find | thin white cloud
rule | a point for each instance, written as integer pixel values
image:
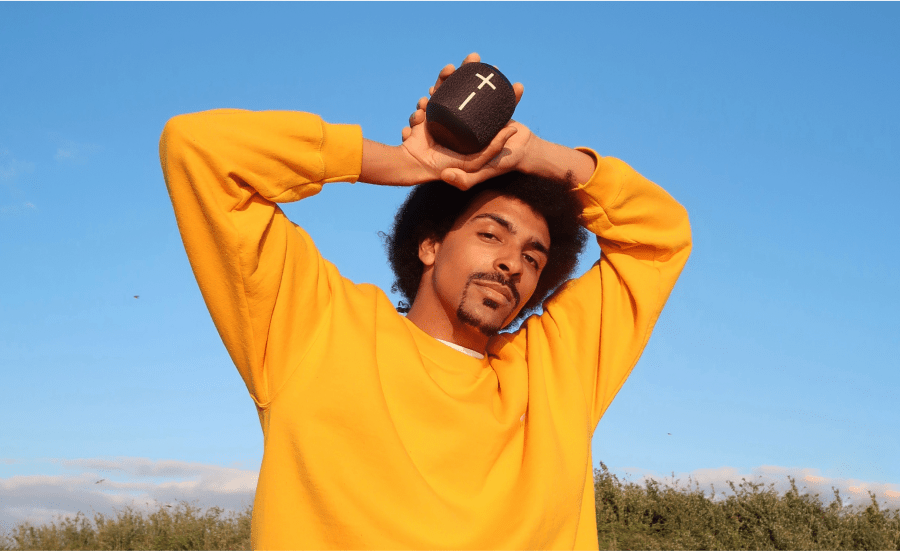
(104, 485)
(11, 168)
(75, 151)
(18, 209)
(809, 481)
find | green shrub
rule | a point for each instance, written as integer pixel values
(754, 516)
(184, 526)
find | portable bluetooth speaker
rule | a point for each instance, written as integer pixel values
(470, 108)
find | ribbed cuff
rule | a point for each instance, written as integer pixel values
(341, 152)
(604, 185)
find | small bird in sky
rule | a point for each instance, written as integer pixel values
(99, 481)
(669, 433)
(137, 296)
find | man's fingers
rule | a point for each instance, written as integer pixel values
(464, 180)
(518, 90)
(495, 147)
(448, 70)
(406, 132)
(456, 178)
(418, 117)
(472, 58)
(442, 76)
(445, 72)
(482, 165)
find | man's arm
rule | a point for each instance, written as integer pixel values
(262, 278)
(596, 326)
(396, 166)
(264, 282)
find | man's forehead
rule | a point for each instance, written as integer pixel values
(509, 211)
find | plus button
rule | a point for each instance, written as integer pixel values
(486, 80)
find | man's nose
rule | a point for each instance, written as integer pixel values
(510, 264)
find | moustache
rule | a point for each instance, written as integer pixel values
(496, 277)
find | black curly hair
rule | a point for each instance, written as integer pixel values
(431, 209)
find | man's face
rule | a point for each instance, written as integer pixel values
(489, 263)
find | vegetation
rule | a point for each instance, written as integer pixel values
(183, 526)
(629, 516)
(753, 516)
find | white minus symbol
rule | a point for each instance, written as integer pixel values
(472, 95)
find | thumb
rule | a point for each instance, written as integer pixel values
(456, 177)
(463, 180)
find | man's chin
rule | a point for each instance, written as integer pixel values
(489, 323)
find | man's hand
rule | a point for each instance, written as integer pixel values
(420, 159)
(503, 154)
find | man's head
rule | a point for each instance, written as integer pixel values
(488, 255)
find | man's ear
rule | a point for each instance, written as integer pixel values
(428, 249)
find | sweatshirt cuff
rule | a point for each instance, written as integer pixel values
(599, 193)
(341, 152)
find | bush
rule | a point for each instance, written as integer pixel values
(183, 526)
(630, 516)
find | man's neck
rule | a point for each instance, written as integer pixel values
(436, 322)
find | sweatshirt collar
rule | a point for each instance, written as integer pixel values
(463, 349)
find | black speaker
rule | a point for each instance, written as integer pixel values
(471, 106)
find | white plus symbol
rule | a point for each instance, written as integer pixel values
(486, 80)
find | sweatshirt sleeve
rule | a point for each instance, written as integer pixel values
(599, 323)
(225, 170)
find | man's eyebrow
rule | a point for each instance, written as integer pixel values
(534, 243)
(498, 219)
(538, 246)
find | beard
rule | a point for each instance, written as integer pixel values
(468, 317)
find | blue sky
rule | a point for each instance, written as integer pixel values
(775, 124)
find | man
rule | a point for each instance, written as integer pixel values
(430, 430)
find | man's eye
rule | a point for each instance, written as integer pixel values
(487, 235)
(532, 260)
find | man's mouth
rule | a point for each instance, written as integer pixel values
(496, 289)
(498, 284)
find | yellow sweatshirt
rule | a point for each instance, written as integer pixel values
(376, 434)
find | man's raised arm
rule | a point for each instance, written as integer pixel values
(262, 278)
(598, 324)
(225, 170)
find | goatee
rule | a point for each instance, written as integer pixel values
(485, 327)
